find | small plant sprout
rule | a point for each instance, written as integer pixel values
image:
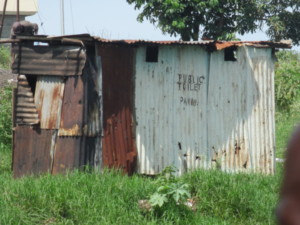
(170, 189)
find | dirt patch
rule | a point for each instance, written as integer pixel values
(7, 77)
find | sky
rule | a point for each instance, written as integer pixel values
(112, 19)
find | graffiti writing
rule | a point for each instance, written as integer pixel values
(189, 82)
(189, 101)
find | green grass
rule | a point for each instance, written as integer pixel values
(112, 198)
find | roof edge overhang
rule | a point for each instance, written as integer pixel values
(87, 39)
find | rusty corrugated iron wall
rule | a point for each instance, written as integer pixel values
(143, 105)
(57, 109)
(31, 153)
(119, 148)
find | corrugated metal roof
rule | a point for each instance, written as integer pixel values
(133, 42)
(217, 45)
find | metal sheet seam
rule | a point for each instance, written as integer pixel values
(98, 152)
(52, 148)
(209, 151)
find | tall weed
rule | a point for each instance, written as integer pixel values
(4, 57)
(5, 117)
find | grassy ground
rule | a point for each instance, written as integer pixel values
(285, 124)
(111, 198)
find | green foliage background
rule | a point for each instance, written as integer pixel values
(215, 19)
(287, 79)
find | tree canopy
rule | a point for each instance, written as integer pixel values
(220, 19)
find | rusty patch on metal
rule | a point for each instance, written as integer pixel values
(48, 100)
(67, 154)
(236, 156)
(119, 148)
(72, 112)
(25, 109)
(220, 45)
(31, 151)
(74, 131)
(48, 60)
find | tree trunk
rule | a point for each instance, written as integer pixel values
(196, 32)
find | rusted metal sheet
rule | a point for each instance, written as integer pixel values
(74, 131)
(72, 113)
(67, 154)
(25, 110)
(48, 100)
(118, 141)
(89, 112)
(48, 60)
(219, 45)
(31, 151)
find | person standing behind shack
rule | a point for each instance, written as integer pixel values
(288, 209)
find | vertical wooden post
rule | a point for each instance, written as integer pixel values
(3, 16)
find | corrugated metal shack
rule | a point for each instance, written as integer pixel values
(142, 105)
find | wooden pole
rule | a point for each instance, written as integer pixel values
(62, 17)
(3, 16)
(18, 10)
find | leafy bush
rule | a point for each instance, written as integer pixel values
(5, 117)
(287, 79)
